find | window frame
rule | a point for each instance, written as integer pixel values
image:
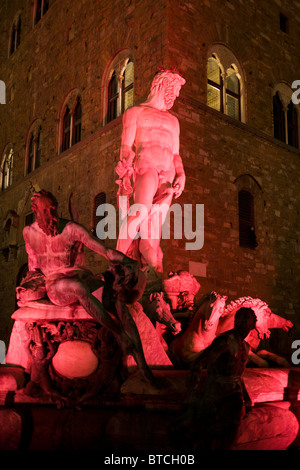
(30, 158)
(125, 90)
(232, 94)
(76, 122)
(293, 126)
(42, 10)
(113, 98)
(72, 134)
(227, 61)
(116, 68)
(15, 34)
(283, 92)
(66, 129)
(217, 86)
(7, 177)
(33, 147)
(278, 118)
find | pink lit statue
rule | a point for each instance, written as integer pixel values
(150, 153)
(266, 320)
(54, 249)
(185, 348)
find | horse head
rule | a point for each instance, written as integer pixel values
(163, 312)
(217, 306)
(263, 314)
(265, 318)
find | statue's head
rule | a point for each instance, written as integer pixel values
(168, 83)
(245, 320)
(44, 206)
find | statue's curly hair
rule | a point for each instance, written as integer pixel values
(163, 77)
(36, 196)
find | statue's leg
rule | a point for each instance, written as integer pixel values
(67, 291)
(145, 188)
(267, 355)
(151, 229)
(260, 362)
(136, 349)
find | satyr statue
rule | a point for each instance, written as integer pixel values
(150, 154)
(54, 250)
(40, 351)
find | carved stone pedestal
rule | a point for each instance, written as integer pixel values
(68, 355)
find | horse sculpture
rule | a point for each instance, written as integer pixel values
(186, 346)
(159, 312)
(266, 320)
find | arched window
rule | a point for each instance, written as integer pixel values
(113, 97)
(38, 149)
(70, 122)
(233, 94)
(39, 9)
(7, 168)
(279, 118)
(285, 115)
(34, 144)
(214, 85)
(225, 85)
(15, 35)
(292, 122)
(119, 87)
(127, 86)
(30, 166)
(76, 134)
(66, 129)
(247, 236)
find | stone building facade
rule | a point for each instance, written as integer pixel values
(239, 146)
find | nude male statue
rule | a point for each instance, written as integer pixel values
(53, 245)
(150, 152)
